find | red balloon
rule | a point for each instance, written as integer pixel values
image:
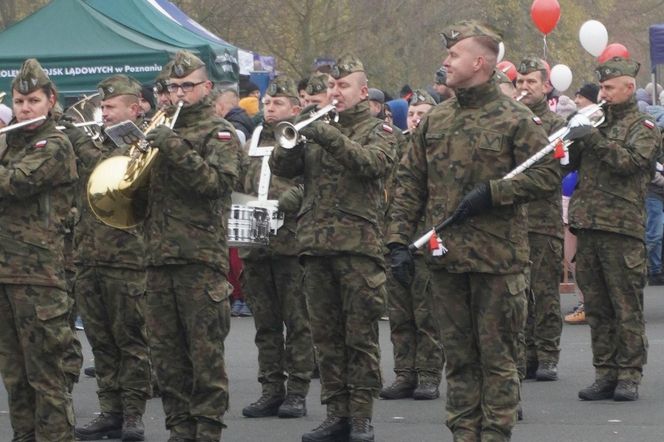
(545, 14)
(613, 50)
(508, 68)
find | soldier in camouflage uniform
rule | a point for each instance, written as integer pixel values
(418, 354)
(545, 237)
(37, 170)
(188, 312)
(272, 282)
(607, 214)
(316, 91)
(463, 146)
(338, 226)
(110, 285)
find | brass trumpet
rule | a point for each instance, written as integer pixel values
(114, 183)
(288, 135)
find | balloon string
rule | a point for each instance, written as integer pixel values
(545, 46)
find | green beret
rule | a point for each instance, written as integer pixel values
(184, 64)
(118, 85)
(468, 28)
(501, 77)
(420, 96)
(30, 77)
(617, 67)
(346, 64)
(531, 64)
(441, 75)
(317, 84)
(282, 86)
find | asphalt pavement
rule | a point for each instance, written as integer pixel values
(552, 411)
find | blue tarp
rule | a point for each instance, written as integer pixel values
(656, 45)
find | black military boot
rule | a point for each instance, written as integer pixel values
(267, 405)
(361, 429)
(401, 388)
(600, 389)
(531, 369)
(330, 430)
(547, 371)
(426, 390)
(105, 425)
(626, 391)
(293, 406)
(132, 428)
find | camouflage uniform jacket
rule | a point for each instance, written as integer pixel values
(37, 171)
(477, 136)
(189, 198)
(96, 243)
(343, 185)
(545, 215)
(285, 242)
(614, 167)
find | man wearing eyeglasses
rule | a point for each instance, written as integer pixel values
(545, 236)
(187, 312)
(344, 166)
(607, 214)
(418, 355)
(453, 170)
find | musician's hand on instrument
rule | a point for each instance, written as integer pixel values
(320, 132)
(473, 203)
(167, 141)
(401, 264)
(580, 126)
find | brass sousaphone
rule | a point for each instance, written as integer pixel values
(114, 184)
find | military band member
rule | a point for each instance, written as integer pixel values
(272, 283)
(607, 214)
(187, 312)
(338, 226)
(463, 146)
(110, 284)
(37, 170)
(316, 91)
(545, 237)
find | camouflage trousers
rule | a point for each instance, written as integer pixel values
(480, 317)
(414, 332)
(73, 359)
(273, 289)
(545, 323)
(112, 304)
(34, 338)
(188, 317)
(346, 297)
(611, 272)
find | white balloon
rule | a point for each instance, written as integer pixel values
(561, 77)
(501, 52)
(593, 37)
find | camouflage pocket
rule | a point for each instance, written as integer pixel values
(376, 280)
(218, 294)
(134, 289)
(52, 303)
(517, 284)
(635, 257)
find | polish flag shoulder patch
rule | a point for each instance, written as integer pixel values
(387, 128)
(537, 121)
(40, 144)
(224, 135)
(649, 124)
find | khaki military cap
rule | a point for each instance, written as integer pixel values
(317, 84)
(468, 28)
(30, 77)
(420, 96)
(184, 64)
(617, 67)
(161, 82)
(501, 77)
(118, 85)
(345, 65)
(282, 86)
(532, 64)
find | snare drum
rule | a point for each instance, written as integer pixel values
(248, 226)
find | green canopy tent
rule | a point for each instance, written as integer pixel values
(79, 46)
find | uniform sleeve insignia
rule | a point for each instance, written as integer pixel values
(537, 121)
(224, 135)
(649, 124)
(387, 128)
(40, 144)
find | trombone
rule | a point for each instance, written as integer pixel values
(288, 135)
